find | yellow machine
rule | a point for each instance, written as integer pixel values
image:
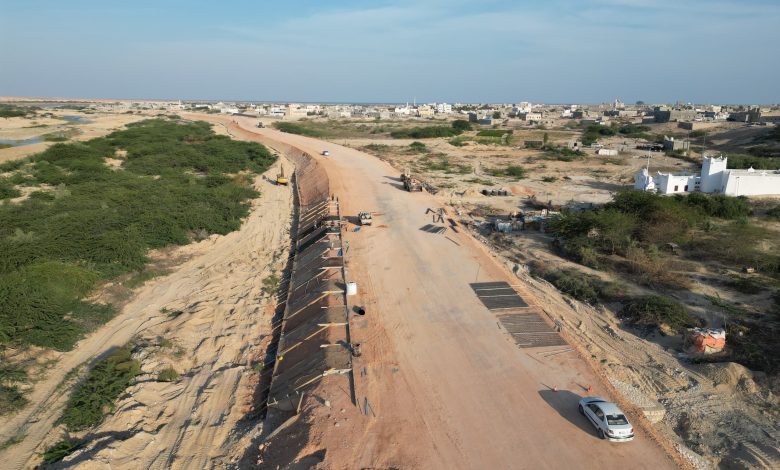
(280, 178)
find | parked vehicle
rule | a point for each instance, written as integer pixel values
(325, 153)
(610, 422)
(365, 218)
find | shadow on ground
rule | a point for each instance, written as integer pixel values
(565, 403)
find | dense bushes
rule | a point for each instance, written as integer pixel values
(95, 396)
(461, 125)
(754, 161)
(98, 222)
(511, 171)
(654, 310)
(295, 128)
(7, 189)
(427, 132)
(9, 110)
(636, 223)
(578, 285)
(494, 132)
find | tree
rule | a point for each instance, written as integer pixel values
(461, 125)
(545, 139)
(496, 114)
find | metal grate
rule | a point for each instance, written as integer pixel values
(498, 295)
(527, 328)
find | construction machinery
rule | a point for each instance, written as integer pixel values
(280, 178)
(365, 218)
(411, 183)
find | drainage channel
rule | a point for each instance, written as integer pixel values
(311, 339)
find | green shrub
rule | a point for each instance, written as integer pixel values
(168, 374)
(494, 132)
(300, 129)
(746, 285)
(511, 171)
(417, 147)
(461, 125)
(7, 189)
(656, 310)
(774, 212)
(563, 154)
(379, 148)
(11, 399)
(95, 396)
(428, 132)
(60, 450)
(549, 179)
(100, 223)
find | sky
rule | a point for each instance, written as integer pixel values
(497, 51)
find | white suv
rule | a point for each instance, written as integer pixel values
(609, 421)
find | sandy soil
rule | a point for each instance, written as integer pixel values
(447, 387)
(212, 343)
(23, 128)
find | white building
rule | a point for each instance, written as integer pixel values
(443, 108)
(715, 178)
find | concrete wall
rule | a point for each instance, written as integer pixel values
(673, 184)
(755, 183)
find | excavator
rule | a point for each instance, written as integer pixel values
(280, 178)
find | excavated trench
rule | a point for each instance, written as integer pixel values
(310, 329)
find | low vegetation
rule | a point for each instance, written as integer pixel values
(9, 110)
(300, 129)
(652, 239)
(168, 374)
(85, 223)
(94, 398)
(654, 310)
(578, 285)
(427, 132)
(510, 171)
(741, 161)
(594, 132)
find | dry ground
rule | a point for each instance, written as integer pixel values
(724, 412)
(447, 386)
(207, 320)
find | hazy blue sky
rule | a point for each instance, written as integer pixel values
(393, 50)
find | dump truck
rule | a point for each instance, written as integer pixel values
(365, 218)
(280, 178)
(411, 183)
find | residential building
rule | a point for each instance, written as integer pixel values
(676, 145)
(715, 177)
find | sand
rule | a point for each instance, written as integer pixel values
(213, 344)
(22, 129)
(447, 386)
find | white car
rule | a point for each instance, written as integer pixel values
(325, 153)
(609, 421)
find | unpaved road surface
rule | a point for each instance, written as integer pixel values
(187, 423)
(447, 387)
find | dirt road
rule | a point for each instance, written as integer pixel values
(447, 386)
(187, 423)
